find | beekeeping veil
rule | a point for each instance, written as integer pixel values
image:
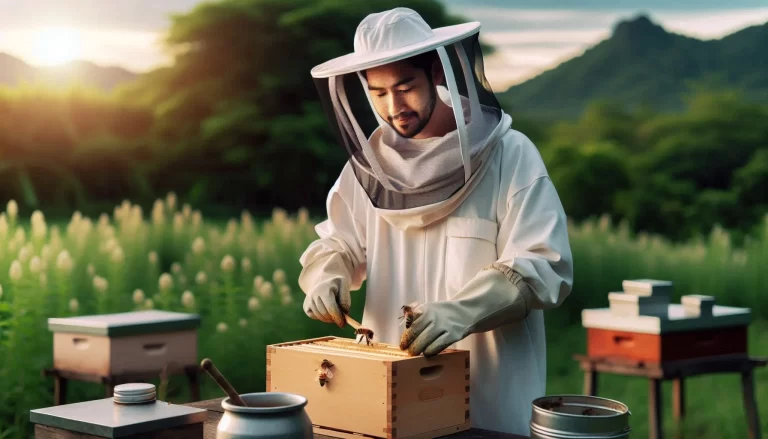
(397, 170)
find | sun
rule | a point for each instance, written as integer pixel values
(56, 45)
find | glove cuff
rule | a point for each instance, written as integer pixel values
(497, 296)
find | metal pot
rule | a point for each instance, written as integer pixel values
(269, 415)
(579, 417)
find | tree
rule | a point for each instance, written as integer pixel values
(239, 100)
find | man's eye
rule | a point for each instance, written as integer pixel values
(381, 95)
(405, 90)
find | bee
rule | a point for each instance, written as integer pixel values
(408, 315)
(366, 334)
(324, 373)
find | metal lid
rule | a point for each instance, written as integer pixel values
(134, 393)
(104, 418)
(128, 323)
(579, 416)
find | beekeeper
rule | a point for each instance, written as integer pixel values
(441, 204)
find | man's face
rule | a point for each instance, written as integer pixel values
(403, 95)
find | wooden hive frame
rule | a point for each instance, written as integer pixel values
(413, 408)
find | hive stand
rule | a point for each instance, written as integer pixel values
(61, 378)
(677, 371)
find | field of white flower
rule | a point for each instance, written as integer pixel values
(240, 275)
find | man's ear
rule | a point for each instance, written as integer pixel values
(438, 76)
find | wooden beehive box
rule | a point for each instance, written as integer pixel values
(123, 343)
(376, 391)
(681, 334)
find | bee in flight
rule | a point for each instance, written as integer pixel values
(324, 373)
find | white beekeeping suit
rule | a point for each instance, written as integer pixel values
(467, 223)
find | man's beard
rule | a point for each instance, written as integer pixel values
(422, 121)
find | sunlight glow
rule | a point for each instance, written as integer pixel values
(54, 46)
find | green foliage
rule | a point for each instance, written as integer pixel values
(677, 174)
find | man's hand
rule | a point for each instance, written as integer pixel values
(433, 330)
(329, 302)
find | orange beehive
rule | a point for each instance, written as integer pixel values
(376, 391)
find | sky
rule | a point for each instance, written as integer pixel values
(531, 35)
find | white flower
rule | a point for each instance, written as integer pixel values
(253, 303)
(246, 264)
(149, 304)
(1, 291)
(228, 264)
(287, 300)
(176, 268)
(188, 299)
(303, 215)
(278, 276)
(73, 305)
(222, 327)
(170, 201)
(91, 270)
(243, 323)
(117, 255)
(35, 265)
(285, 290)
(186, 210)
(64, 261)
(258, 281)
(100, 284)
(25, 253)
(152, 257)
(15, 271)
(45, 253)
(12, 209)
(266, 290)
(198, 245)
(165, 282)
(201, 278)
(197, 218)
(3, 225)
(138, 296)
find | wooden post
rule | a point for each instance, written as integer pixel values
(59, 390)
(678, 398)
(194, 383)
(750, 404)
(655, 418)
(590, 382)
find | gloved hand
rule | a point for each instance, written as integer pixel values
(496, 296)
(329, 301)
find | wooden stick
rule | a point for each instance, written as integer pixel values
(207, 364)
(352, 322)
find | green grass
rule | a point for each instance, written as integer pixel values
(239, 318)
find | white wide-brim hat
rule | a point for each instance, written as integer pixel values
(390, 36)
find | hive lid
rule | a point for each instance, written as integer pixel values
(129, 323)
(105, 418)
(677, 319)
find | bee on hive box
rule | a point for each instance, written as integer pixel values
(324, 373)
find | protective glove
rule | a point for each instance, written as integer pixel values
(496, 296)
(329, 301)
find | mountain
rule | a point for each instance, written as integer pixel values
(13, 71)
(643, 64)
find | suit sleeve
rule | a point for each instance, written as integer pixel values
(338, 254)
(534, 249)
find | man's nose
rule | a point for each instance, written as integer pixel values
(396, 104)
